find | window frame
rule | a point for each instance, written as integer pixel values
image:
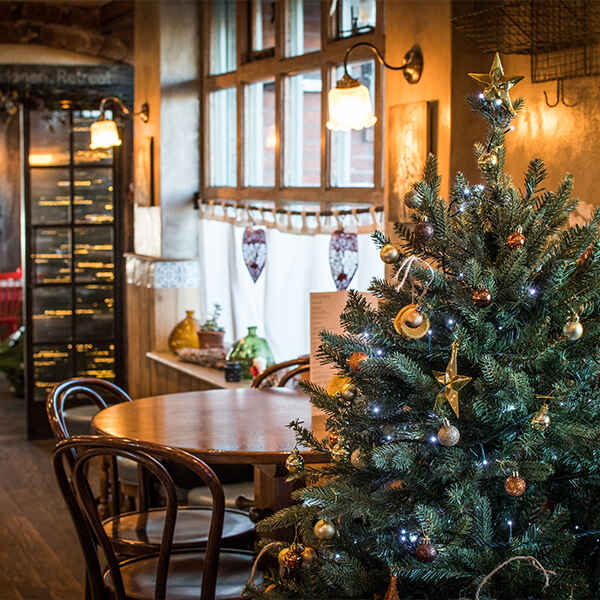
(278, 67)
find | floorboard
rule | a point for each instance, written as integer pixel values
(40, 558)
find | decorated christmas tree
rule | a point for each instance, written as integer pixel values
(464, 418)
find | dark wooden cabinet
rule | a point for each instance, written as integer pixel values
(73, 257)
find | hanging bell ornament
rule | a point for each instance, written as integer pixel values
(349, 392)
(425, 551)
(358, 459)
(309, 555)
(402, 322)
(355, 360)
(424, 231)
(482, 298)
(389, 254)
(339, 453)
(515, 485)
(294, 463)
(516, 239)
(488, 160)
(448, 435)
(573, 329)
(541, 419)
(324, 530)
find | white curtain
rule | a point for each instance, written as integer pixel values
(278, 303)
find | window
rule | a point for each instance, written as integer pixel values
(270, 67)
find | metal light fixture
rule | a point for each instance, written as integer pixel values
(350, 104)
(104, 132)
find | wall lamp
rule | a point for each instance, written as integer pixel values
(350, 104)
(104, 132)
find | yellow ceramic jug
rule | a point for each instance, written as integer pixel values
(184, 334)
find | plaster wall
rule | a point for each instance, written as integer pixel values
(427, 23)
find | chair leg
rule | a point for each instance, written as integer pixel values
(104, 492)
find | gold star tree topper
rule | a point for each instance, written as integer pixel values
(497, 85)
(451, 382)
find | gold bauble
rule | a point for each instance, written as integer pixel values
(448, 435)
(337, 384)
(339, 453)
(541, 419)
(389, 254)
(309, 555)
(488, 160)
(357, 459)
(403, 327)
(324, 530)
(515, 485)
(294, 463)
(573, 329)
(349, 392)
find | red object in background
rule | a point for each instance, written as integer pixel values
(343, 258)
(11, 302)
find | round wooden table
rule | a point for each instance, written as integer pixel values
(222, 426)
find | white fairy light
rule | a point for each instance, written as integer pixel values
(532, 291)
(376, 409)
(480, 96)
(498, 102)
(450, 321)
(403, 538)
(413, 538)
(484, 462)
(433, 439)
(379, 352)
(467, 191)
(365, 334)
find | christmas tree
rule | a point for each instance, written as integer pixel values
(464, 417)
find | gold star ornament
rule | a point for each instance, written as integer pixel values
(451, 383)
(497, 85)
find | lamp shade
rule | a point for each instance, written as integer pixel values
(350, 108)
(104, 134)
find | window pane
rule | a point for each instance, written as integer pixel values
(303, 27)
(50, 196)
(93, 201)
(223, 136)
(356, 16)
(302, 129)
(94, 312)
(263, 24)
(51, 365)
(352, 152)
(52, 311)
(259, 133)
(52, 255)
(94, 254)
(49, 138)
(222, 40)
(96, 360)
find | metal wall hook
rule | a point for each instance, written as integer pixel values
(560, 95)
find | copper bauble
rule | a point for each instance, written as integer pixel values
(515, 485)
(515, 240)
(573, 329)
(389, 254)
(333, 439)
(324, 530)
(424, 231)
(426, 552)
(482, 298)
(356, 359)
(309, 555)
(292, 559)
(394, 486)
(357, 459)
(448, 435)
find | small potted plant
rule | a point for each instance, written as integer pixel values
(210, 333)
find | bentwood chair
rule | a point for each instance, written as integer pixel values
(139, 531)
(280, 374)
(164, 574)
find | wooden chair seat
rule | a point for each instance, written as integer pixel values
(135, 532)
(184, 580)
(237, 495)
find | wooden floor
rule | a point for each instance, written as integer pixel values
(40, 557)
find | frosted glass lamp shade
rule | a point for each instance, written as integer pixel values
(350, 108)
(104, 134)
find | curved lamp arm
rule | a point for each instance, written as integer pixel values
(144, 113)
(412, 66)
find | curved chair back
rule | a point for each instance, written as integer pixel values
(76, 388)
(291, 368)
(76, 491)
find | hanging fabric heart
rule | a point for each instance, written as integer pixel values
(343, 257)
(254, 251)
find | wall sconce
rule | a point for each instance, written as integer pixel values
(104, 132)
(350, 104)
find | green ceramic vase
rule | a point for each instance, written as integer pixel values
(247, 349)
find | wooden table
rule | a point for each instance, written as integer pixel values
(245, 426)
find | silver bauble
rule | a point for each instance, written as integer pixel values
(448, 435)
(324, 530)
(573, 329)
(349, 392)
